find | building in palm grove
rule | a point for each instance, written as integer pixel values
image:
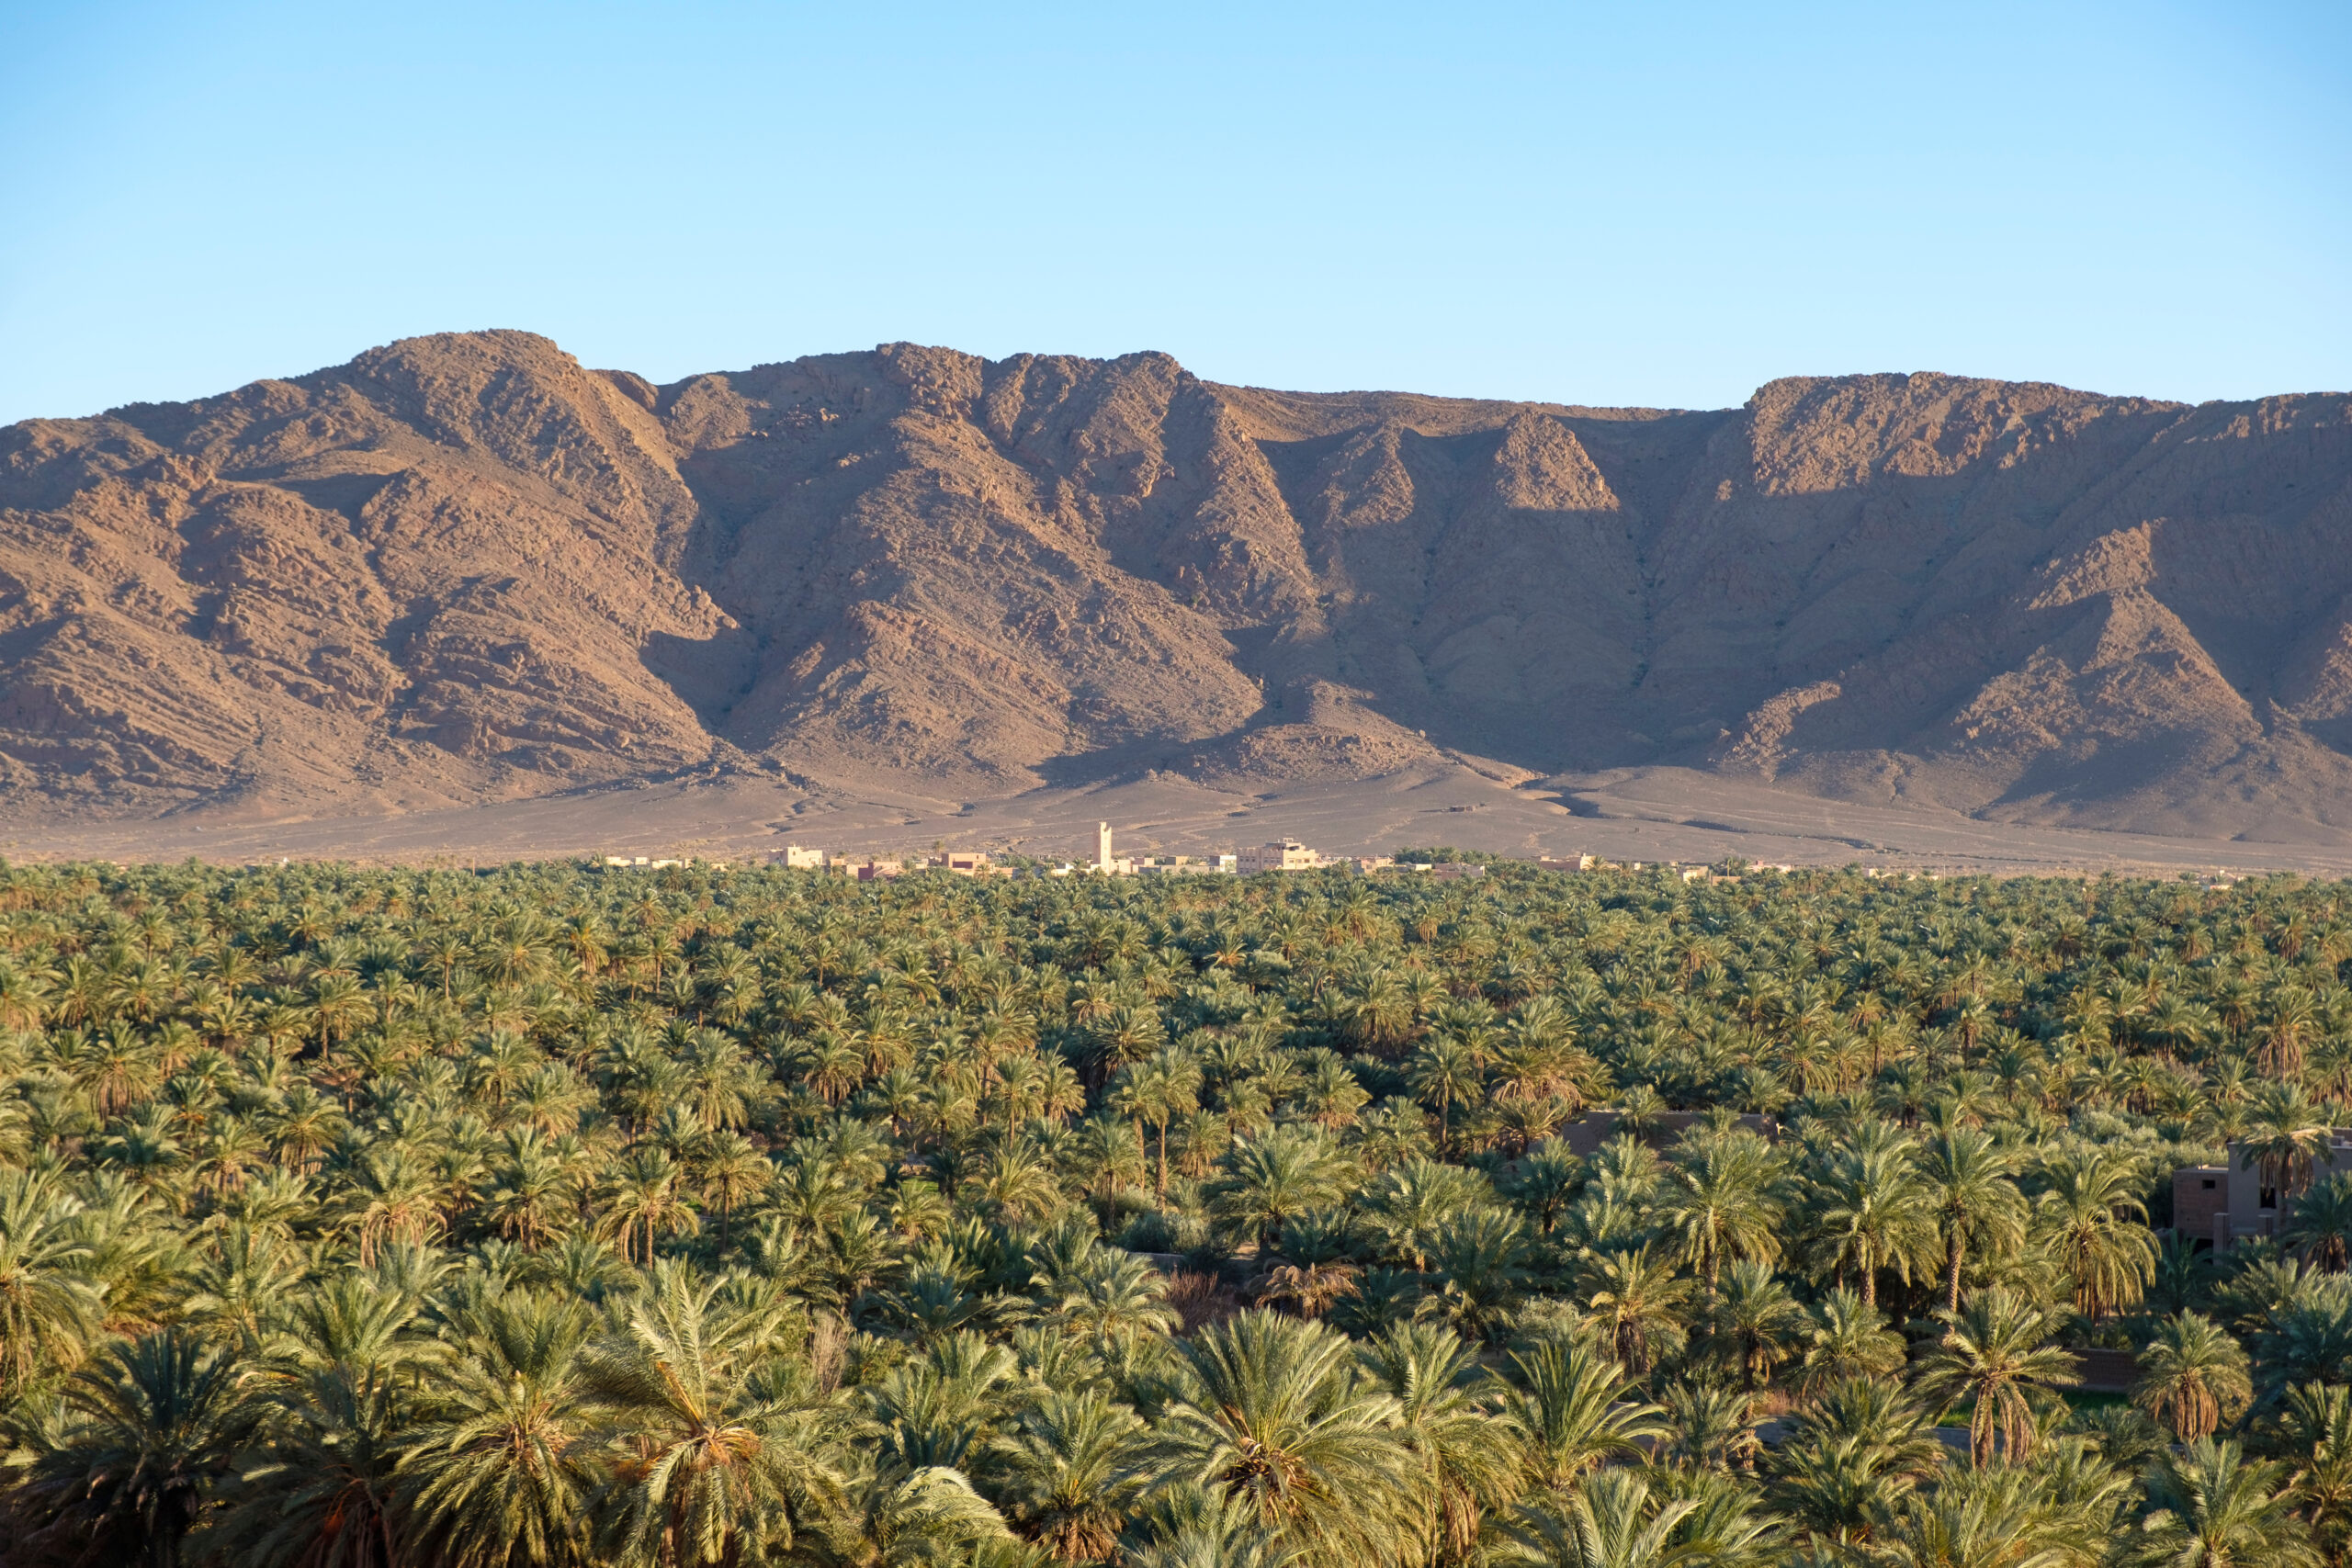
(2229, 1203)
(1286, 854)
(965, 863)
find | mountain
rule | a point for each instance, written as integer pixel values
(464, 567)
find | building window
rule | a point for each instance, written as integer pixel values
(2269, 1198)
(2209, 1184)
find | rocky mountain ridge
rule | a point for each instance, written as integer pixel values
(464, 567)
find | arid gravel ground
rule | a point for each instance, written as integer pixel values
(1657, 814)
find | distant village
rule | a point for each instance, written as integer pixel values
(1283, 854)
(1279, 856)
(1276, 855)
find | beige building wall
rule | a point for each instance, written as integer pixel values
(1287, 855)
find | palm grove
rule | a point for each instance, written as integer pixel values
(551, 1216)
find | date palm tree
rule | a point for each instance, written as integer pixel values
(643, 1198)
(1573, 1410)
(393, 1197)
(936, 1411)
(1274, 1414)
(2321, 1232)
(501, 1470)
(1126, 1034)
(1637, 1298)
(2315, 1434)
(1479, 1256)
(1158, 1090)
(2289, 1138)
(1106, 1155)
(1610, 1522)
(158, 1418)
(1070, 1470)
(1544, 1179)
(1861, 1446)
(317, 1485)
(1722, 1204)
(1445, 1417)
(723, 1455)
(1758, 1321)
(336, 1003)
(304, 1124)
(930, 1518)
(1995, 1350)
(1977, 1206)
(1409, 1203)
(2088, 1220)
(49, 1310)
(1448, 1069)
(2193, 1376)
(2210, 1506)
(1273, 1179)
(1713, 1426)
(1016, 1182)
(1872, 1211)
(2000, 1518)
(1187, 1526)
(1108, 1292)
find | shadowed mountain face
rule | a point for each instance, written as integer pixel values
(463, 568)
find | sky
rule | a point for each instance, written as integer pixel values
(1652, 204)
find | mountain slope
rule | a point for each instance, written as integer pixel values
(464, 567)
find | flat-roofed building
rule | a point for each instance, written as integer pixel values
(2229, 1203)
(1287, 854)
(2200, 1197)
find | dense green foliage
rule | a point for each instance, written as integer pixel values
(709, 1216)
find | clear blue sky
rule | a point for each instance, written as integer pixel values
(1636, 203)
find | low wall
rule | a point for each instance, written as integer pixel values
(2107, 1371)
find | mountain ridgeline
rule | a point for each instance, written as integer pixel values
(464, 567)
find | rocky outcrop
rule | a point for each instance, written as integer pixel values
(464, 567)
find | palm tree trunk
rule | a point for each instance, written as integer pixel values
(1952, 1274)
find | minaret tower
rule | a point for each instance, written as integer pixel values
(1102, 846)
